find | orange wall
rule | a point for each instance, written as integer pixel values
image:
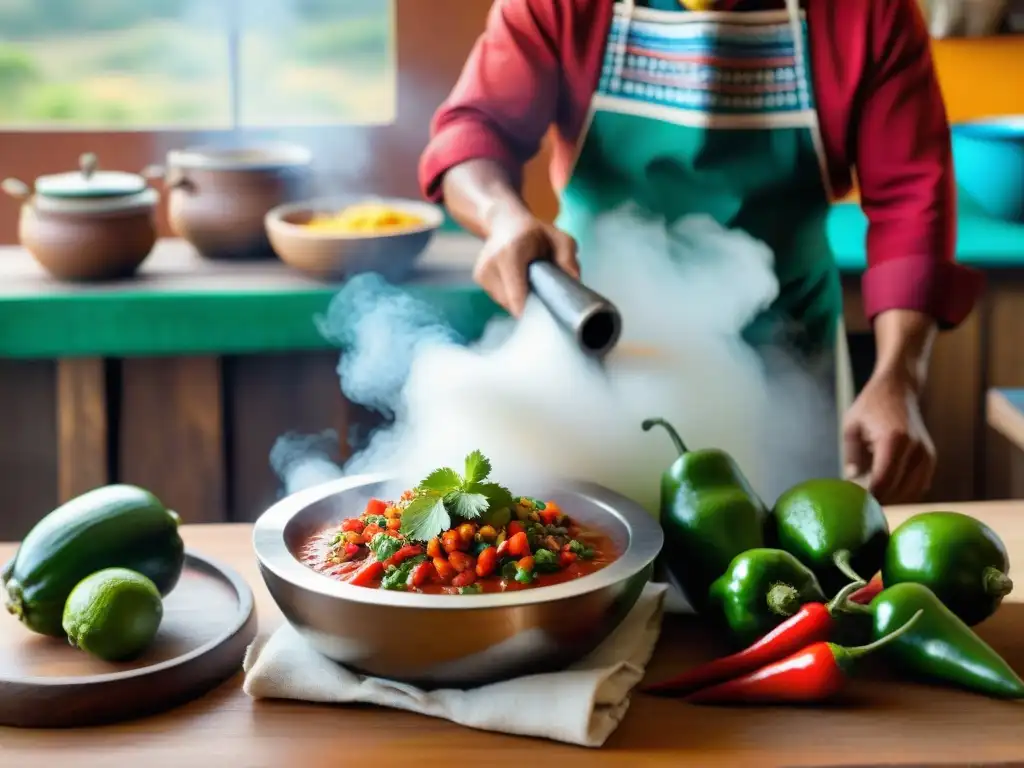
(979, 78)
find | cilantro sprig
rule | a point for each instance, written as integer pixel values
(445, 497)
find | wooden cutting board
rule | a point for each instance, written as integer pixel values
(208, 622)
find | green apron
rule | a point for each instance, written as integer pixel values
(713, 113)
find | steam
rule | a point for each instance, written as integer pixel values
(538, 409)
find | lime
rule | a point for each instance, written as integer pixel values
(113, 614)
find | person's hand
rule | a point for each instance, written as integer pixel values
(516, 239)
(885, 436)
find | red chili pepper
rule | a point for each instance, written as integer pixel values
(815, 673)
(866, 594)
(813, 623)
(375, 507)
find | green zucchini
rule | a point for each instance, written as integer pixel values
(115, 526)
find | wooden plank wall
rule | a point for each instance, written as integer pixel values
(198, 431)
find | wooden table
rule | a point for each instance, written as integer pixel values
(880, 723)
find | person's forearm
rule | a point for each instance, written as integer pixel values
(904, 339)
(477, 191)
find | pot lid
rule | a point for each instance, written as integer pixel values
(89, 181)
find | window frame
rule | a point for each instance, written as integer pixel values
(432, 40)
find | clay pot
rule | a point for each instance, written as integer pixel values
(218, 198)
(87, 225)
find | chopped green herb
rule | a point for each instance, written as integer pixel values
(336, 538)
(472, 589)
(445, 494)
(384, 546)
(581, 550)
(379, 520)
(523, 576)
(545, 561)
(537, 504)
(396, 577)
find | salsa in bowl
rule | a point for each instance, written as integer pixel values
(539, 545)
(437, 634)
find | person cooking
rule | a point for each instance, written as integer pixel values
(753, 112)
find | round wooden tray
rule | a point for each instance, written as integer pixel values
(209, 621)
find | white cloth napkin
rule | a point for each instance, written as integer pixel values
(581, 705)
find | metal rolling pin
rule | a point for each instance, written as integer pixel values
(593, 321)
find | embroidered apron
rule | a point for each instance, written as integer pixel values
(713, 112)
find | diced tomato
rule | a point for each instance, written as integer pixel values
(464, 579)
(409, 550)
(368, 574)
(515, 527)
(551, 514)
(444, 570)
(375, 507)
(452, 542)
(566, 558)
(503, 548)
(487, 562)
(355, 525)
(394, 523)
(460, 561)
(351, 549)
(467, 532)
(422, 573)
(434, 548)
(526, 564)
(519, 545)
(370, 531)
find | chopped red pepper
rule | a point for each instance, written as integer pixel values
(351, 549)
(462, 562)
(515, 527)
(567, 558)
(868, 593)
(814, 673)
(407, 551)
(445, 572)
(813, 623)
(353, 524)
(519, 545)
(464, 579)
(422, 573)
(487, 562)
(369, 573)
(375, 507)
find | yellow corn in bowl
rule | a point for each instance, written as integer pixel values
(334, 239)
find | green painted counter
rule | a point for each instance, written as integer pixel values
(182, 305)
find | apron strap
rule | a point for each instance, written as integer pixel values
(807, 88)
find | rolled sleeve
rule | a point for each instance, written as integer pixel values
(941, 289)
(505, 99)
(905, 170)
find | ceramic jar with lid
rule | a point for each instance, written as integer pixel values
(87, 224)
(218, 197)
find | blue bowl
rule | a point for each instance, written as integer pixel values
(989, 159)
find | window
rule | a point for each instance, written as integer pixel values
(106, 65)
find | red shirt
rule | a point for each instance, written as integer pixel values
(537, 63)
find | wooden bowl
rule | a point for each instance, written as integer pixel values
(334, 256)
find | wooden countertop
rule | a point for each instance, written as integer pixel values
(1005, 414)
(881, 723)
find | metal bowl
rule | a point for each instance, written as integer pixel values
(453, 640)
(337, 255)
